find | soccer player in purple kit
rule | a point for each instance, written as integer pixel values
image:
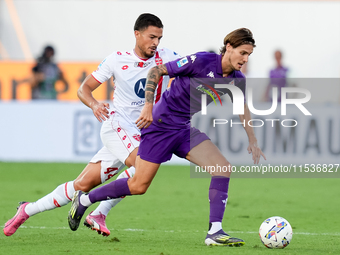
(166, 130)
(278, 77)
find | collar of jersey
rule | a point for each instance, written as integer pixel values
(143, 59)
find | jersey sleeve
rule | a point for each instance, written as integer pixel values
(171, 55)
(186, 66)
(105, 69)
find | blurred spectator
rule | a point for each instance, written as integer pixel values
(278, 77)
(45, 75)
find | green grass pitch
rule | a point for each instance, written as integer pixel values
(172, 217)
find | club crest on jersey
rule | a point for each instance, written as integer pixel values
(140, 88)
(142, 64)
(158, 61)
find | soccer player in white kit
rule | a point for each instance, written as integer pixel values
(119, 132)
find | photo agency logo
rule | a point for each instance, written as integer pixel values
(238, 104)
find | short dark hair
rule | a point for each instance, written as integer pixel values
(43, 56)
(237, 38)
(145, 20)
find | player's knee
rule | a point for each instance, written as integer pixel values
(82, 185)
(224, 170)
(138, 189)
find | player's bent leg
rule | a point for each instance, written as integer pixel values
(109, 167)
(96, 219)
(145, 172)
(81, 201)
(95, 173)
(206, 154)
(121, 140)
(118, 188)
(89, 178)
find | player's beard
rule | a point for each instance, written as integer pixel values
(146, 54)
(149, 55)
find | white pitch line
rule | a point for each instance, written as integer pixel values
(177, 231)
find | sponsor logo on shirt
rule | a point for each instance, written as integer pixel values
(137, 103)
(193, 57)
(142, 64)
(140, 88)
(125, 67)
(182, 62)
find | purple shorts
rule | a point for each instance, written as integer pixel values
(158, 144)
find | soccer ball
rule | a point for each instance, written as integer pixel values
(276, 232)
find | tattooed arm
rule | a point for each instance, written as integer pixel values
(152, 80)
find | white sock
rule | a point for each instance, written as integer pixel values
(85, 200)
(215, 226)
(61, 196)
(105, 206)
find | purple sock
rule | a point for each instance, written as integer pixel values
(218, 194)
(115, 189)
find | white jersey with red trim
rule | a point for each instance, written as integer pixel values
(129, 74)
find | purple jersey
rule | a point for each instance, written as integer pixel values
(278, 79)
(279, 72)
(194, 75)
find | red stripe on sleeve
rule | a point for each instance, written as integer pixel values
(95, 78)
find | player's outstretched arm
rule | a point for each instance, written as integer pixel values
(152, 80)
(100, 110)
(253, 147)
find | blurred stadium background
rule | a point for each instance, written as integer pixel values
(85, 32)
